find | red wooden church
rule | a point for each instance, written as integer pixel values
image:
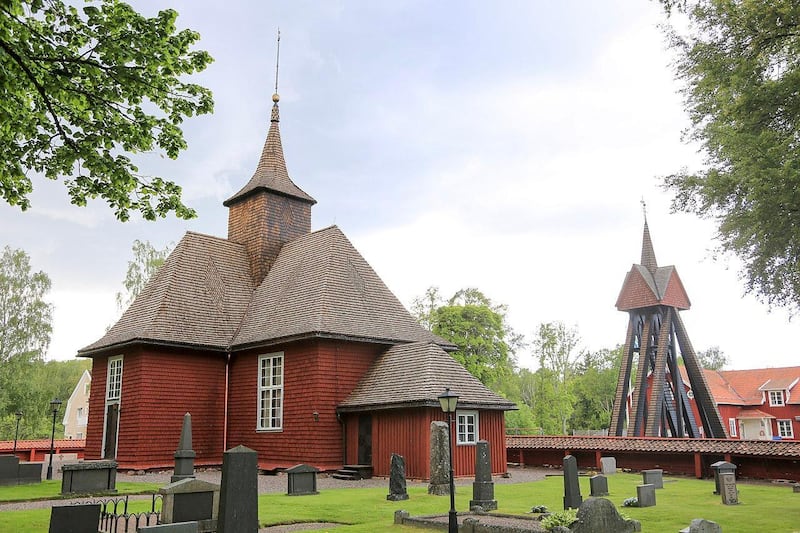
(283, 340)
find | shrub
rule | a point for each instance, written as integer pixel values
(539, 509)
(561, 518)
(630, 502)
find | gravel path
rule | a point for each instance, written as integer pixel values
(277, 484)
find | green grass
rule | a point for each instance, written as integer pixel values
(762, 507)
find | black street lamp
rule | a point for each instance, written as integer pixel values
(18, 414)
(449, 402)
(55, 404)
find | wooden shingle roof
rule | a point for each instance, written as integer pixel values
(390, 382)
(197, 298)
(320, 285)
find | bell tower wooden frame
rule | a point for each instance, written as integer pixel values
(654, 402)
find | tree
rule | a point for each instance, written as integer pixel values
(486, 343)
(739, 65)
(713, 358)
(594, 387)
(81, 89)
(25, 316)
(146, 261)
(555, 348)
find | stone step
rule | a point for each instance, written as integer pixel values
(347, 474)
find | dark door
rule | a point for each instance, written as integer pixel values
(365, 439)
(112, 423)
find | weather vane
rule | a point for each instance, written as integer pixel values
(644, 208)
(277, 64)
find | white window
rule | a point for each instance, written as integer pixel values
(732, 426)
(776, 398)
(114, 388)
(467, 427)
(785, 429)
(79, 435)
(270, 391)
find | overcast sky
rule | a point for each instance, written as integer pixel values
(499, 145)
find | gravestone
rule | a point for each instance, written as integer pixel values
(646, 494)
(599, 515)
(74, 518)
(608, 465)
(397, 479)
(701, 525)
(178, 527)
(238, 498)
(598, 485)
(12, 472)
(190, 500)
(184, 455)
(653, 477)
(439, 484)
(302, 480)
(89, 476)
(721, 467)
(572, 489)
(483, 486)
(796, 487)
(727, 487)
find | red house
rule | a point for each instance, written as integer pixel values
(758, 404)
(281, 339)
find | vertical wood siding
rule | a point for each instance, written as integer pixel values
(97, 395)
(318, 375)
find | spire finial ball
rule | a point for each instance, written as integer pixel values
(275, 98)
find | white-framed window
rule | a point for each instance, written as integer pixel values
(467, 427)
(114, 387)
(776, 398)
(785, 429)
(732, 427)
(270, 391)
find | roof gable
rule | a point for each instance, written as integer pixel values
(320, 285)
(198, 297)
(638, 290)
(390, 384)
(749, 385)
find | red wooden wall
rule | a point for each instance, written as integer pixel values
(318, 375)
(407, 432)
(158, 388)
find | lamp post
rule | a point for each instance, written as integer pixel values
(449, 402)
(18, 414)
(55, 404)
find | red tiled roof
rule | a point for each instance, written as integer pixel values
(43, 444)
(753, 413)
(745, 387)
(769, 448)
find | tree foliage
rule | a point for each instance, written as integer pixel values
(486, 343)
(147, 259)
(740, 65)
(713, 358)
(80, 89)
(555, 347)
(25, 315)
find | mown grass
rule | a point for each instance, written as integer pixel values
(763, 507)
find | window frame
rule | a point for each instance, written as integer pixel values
(787, 425)
(776, 398)
(732, 427)
(266, 418)
(114, 379)
(465, 437)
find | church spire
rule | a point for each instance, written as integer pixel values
(648, 254)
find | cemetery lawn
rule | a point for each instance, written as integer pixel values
(763, 507)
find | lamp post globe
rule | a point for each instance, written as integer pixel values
(55, 404)
(449, 403)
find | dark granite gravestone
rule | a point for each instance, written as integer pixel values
(483, 486)
(12, 472)
(654, 476)
(178, 527)
(190, 500)
(572, 490)
(89, 476)
(727, 487)
(397, 479)
(608, 465)
(302, 480)
(238, 499)
(701, 525)
(598, 485)
(184, 455)
(721, 467)
(83, 518)
(646, 494)
(440, 459)
(597, 515)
